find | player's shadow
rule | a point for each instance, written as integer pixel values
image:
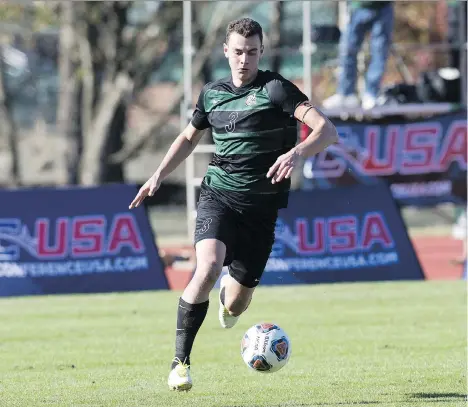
(356, 403)
(442, 397)
(346, 403)
(429, 397)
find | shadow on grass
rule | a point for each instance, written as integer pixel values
(348, 403)
(432, 396)
(429, 397)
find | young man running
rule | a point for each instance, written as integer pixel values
(252, 114)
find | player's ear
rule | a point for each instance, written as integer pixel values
(262, 48)
(225, 49)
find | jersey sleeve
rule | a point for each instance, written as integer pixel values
(199, 116)
(285, 94)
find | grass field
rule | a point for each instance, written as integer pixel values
(376, 344)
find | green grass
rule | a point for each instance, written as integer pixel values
(376, 344)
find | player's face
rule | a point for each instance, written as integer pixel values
(243, 55)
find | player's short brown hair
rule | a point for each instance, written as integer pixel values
(245, 27)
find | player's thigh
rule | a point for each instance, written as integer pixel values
(214, 237)
(210, 255)
(256, 235)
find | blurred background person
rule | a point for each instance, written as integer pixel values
(375, 17)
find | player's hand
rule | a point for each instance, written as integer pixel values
(148, 189)
(283, 167)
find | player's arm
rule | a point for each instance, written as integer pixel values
(179, 150)
(291, 100)
(186, 141)
(323, 132)
(323, 135)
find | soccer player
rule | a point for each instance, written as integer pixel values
(252, 114)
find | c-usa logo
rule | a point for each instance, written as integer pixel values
(205, 226)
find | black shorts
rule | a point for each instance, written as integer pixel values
(248, 235)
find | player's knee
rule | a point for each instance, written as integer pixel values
(208, 271)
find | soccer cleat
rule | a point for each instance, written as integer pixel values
(225, 318)
(179, 378)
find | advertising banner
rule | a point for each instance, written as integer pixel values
(423, 161)
(342, 234)
(76, 240)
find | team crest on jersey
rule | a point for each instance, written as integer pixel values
(251, 100)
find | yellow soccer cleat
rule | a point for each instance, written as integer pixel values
(179, 378)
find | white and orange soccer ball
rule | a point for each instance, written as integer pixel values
(265, 348)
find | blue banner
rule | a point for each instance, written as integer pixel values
(423, 161)
(342, 234)
(76, 240)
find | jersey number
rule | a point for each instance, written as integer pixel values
(232, 122)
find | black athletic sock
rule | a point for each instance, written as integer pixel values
(190, 317)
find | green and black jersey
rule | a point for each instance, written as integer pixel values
(252, 126)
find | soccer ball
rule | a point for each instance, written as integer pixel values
(265, 348)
